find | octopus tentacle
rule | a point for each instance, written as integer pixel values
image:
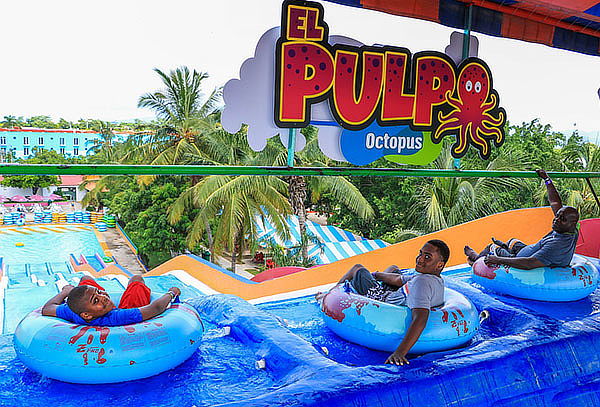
(462, 140)
(492, 120)
(492, 132)
(457, 104)
(480, 142)
(489, 105)
(446, 126)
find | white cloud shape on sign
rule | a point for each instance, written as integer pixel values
(250, 100)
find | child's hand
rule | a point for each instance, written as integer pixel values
(175, 291)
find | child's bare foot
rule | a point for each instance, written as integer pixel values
(471, 255)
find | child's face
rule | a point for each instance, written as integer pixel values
(429, 260)
(98, 303)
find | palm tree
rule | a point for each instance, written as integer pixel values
(182, 112)
(102, 149)
(340, 188)
(447, 202)
(577, 155)
(234, 202)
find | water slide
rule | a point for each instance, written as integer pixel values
(528, 224)
(278, 352)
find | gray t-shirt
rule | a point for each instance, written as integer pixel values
(554, 250)
(419, 291)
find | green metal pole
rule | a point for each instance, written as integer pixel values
(465, 51)
(62, 169)
(593, 192)
(467, 37)
(291, 147)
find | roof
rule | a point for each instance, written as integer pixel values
(71, 180)
(333, 243)
(566, 24)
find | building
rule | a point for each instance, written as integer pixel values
(69, 142)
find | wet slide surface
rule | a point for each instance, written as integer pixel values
(527, 353)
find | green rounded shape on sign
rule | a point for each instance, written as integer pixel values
(429, 152)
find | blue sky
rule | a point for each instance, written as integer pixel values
(79, 59)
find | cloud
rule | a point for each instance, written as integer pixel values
(250, 100)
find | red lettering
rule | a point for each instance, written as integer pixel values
(306, 73)
(356, 106)
(303, 24)
(313, 31)
(295, 23)
(100, 359)
(397, 105)
(435, 78)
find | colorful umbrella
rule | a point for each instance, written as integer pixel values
(36, 198)
(3, 198)
(18, 198)
(53, 197)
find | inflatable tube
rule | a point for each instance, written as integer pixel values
(20, 222)
(557, 284)
(90, 354)
(107, 259)
(19, 244)
(381, 326)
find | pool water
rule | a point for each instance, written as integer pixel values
(46, 243)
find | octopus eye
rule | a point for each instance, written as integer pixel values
(477, 87)
(469, 86)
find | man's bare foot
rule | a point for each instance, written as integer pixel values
(471, 255)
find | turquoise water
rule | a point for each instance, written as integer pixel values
(47, 244)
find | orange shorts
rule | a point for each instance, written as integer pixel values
(137, 294)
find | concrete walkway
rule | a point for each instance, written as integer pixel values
(121, 251)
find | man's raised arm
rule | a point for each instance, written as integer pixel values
(553, 196)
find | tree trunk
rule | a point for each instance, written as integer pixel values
(233, 253)
(297, 196)
(233, 260)
(209, 237)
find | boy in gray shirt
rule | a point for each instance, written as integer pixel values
(420, 292)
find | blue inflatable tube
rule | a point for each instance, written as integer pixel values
(381, 326)
(556, 284)
(90, 354)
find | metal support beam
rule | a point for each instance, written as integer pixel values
(291, 147)
(62, 169)
(593, 192)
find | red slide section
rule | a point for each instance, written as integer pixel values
(275, 273)
(588, 243)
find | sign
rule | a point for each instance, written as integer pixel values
(367, 102)
(372, 89)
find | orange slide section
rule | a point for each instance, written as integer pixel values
(529, 225)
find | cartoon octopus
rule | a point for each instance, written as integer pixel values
(470, 116)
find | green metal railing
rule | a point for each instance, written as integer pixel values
(61, 169)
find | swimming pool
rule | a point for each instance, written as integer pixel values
(46, 243)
